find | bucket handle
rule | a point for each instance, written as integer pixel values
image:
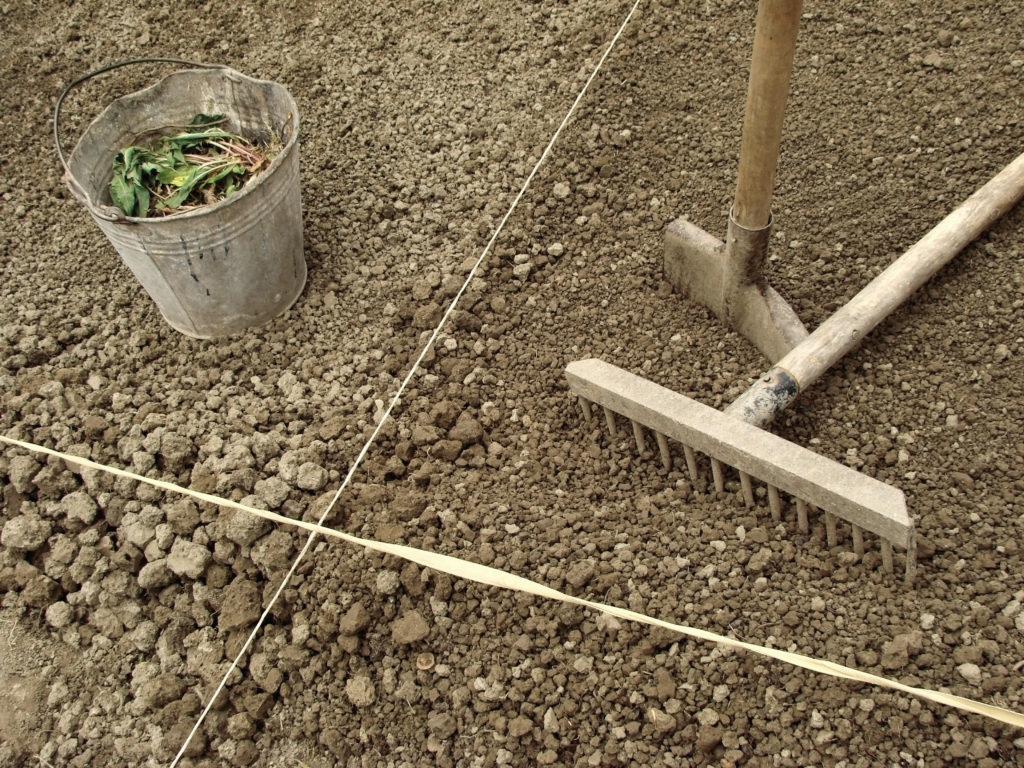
(68, 176)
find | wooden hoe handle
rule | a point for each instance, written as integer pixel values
(770, 68)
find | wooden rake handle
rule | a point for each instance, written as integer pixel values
(845, 329)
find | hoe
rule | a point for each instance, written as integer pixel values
(728, 278)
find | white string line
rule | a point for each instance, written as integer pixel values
(482, 574)
(405, 382)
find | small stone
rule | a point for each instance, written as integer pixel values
(273, 553)
(663, 723)
(607, 623)
(467, 430)
(360, 691)
(183, 516)
(188, 558)
(388, 582)
(160, 691)
(408, 505)
(155, 575)
(580, 573)
(970, 672)
(80, 506)
(175, 449)
(26, 533)
(59, 615)
(264, 673)
(106, 623)
(41, 591)
(425, 661)
(522, 271)
(244, 528)
(520, 726)
(817, 603)
(241, 726)
(708, 737)
(411, 628)
(446, 450)
(561, 190)
(708, 717)
(424, 434)
(241, 605)
(759, 561)
(555, 250)
(927, 621)
(583, 664)
(894, 653)
(272, 491)
(550, 721)
(355, 621)
(21, 471)
(311, 477)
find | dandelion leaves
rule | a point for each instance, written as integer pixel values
(201, 165)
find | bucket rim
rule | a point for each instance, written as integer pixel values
(112, 213)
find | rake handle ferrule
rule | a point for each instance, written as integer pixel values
(766, 398)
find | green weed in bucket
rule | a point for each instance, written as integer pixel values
(198, 166)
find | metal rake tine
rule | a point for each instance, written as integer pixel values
(801, 516)
(718, 473)
(609, 417)
(691, 462)
(887, 555)
(858, 540)
(775, 502)
(638, 436)
(830, 529)
(588, 412)
(666, 457)
(748, 489)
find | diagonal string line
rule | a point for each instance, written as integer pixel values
(482, 574)
(405, 382)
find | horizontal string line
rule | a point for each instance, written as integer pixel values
(494, 577)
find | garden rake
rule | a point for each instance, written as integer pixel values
(727, 277)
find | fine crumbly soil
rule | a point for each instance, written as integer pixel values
(122, 605)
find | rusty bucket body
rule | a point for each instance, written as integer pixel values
(219, 269)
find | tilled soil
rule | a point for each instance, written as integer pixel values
(123, 605)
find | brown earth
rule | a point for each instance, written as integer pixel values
(420, 123)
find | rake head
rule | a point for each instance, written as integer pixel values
(813, 481)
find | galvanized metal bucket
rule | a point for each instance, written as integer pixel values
(216, 270)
